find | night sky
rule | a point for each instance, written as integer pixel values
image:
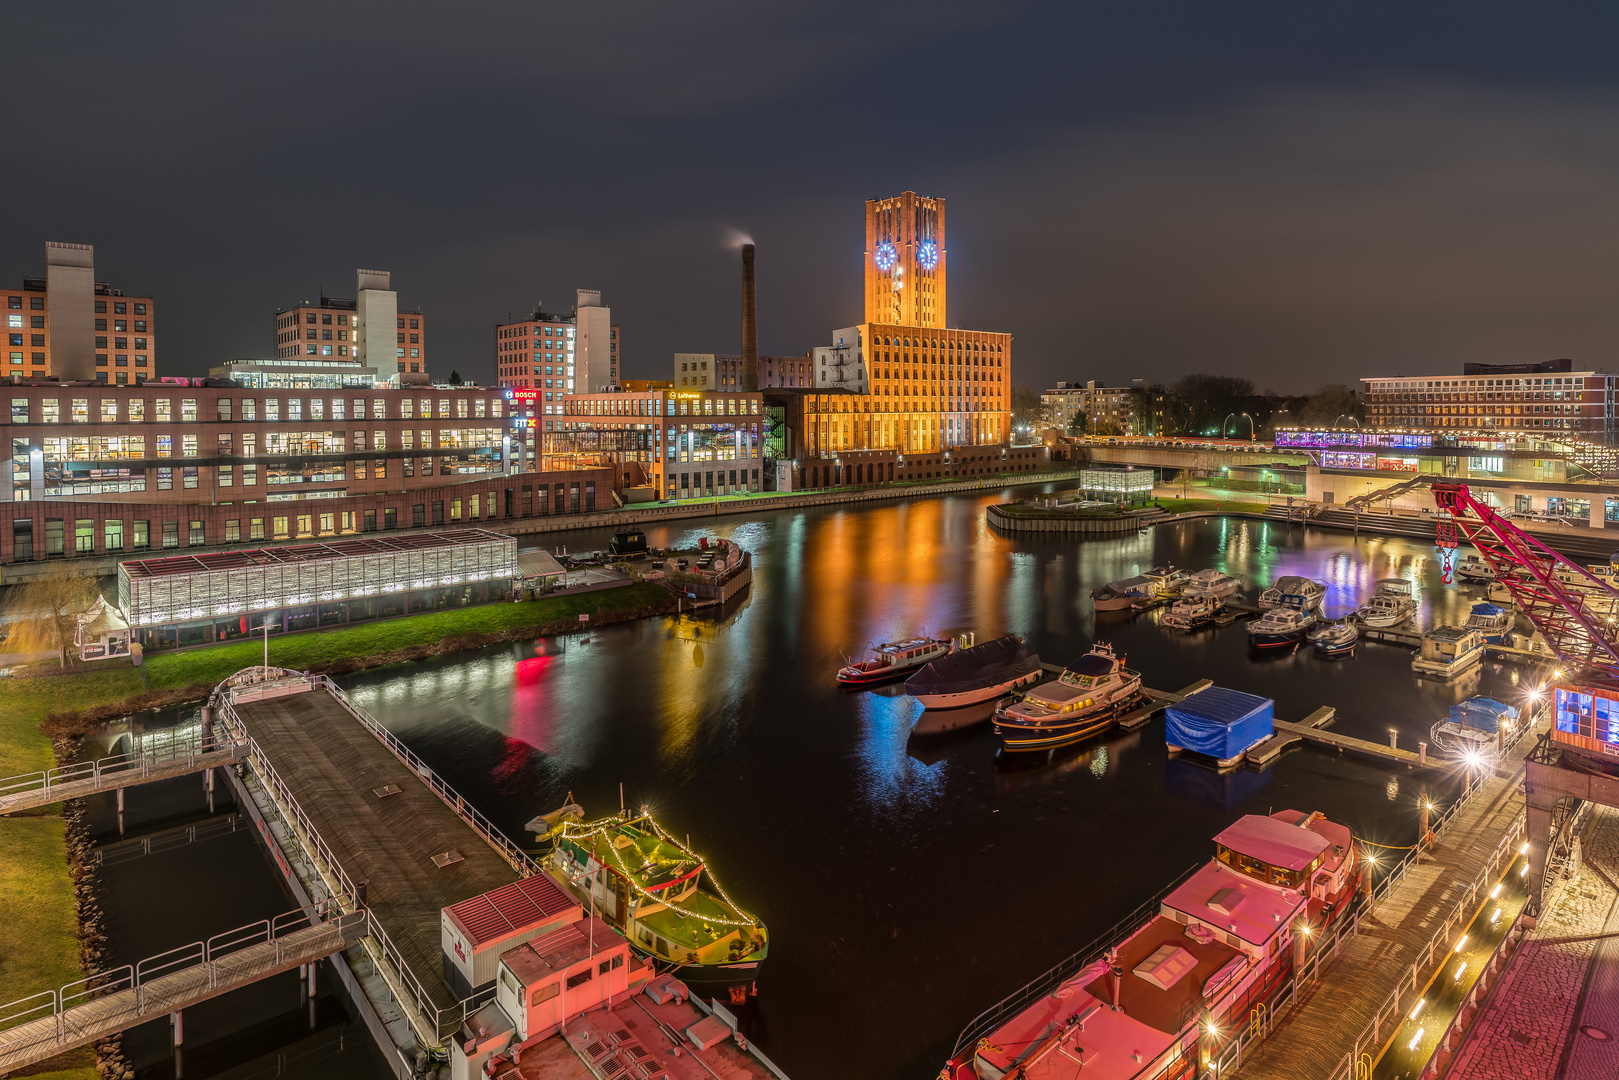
(1281, 191)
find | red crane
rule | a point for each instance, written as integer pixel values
(1542, 583)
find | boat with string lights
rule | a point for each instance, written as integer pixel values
(1161, 997)
(663, 898)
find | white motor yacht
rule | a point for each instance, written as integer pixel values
(1294, 592)
(1210, 583)
(1392, 604)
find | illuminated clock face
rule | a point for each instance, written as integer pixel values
(927, 256)
(886, 256)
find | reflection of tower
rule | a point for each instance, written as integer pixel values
(750, 324)
(905, 261)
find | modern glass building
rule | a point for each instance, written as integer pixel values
(219, 596)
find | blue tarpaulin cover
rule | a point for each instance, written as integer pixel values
(1219, 722)
(1482, 713)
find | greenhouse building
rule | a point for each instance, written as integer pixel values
(222, 596)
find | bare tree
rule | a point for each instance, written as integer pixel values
(45, 610)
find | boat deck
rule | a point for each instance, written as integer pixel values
(653, 1035)
(335, 768)
(1335, 1011)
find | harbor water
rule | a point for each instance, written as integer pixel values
(907, 883)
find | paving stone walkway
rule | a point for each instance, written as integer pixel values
(1524, 1032)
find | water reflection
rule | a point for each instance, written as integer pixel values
(867, 848)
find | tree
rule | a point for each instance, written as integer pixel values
(1206, 400)
(45, 610)
(1077, 425)
(1324, 407)
(1026, 407)
(455, 377)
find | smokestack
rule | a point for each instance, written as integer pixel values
(750, 324)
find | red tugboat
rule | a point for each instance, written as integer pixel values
(884, 663)
(1159, 1003)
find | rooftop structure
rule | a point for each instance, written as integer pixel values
(69, 326)
(369, 328)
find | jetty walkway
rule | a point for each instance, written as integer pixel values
(1347, 1002)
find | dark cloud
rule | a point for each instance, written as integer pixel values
(1280, 192)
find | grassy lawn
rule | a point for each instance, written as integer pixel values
(1181, 506)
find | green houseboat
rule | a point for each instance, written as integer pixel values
(662, 896)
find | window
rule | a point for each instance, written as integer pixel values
(161, 410)
(109, 410)
(222, 410)
(112, 533)
(171, 534)
(280, 526)
(233, 530)
(195, 537)
(188, 410)
(580, 978)
(390, 517)
(136, 409)
(81, 410)
(165, 479)
(143, 534)
(250, 409)
(543, 993)
(19, 410)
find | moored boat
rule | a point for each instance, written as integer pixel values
(981, 673)
(1167, 580)
(1449, 651)
(1493, 622)
(1085, 699)
(1118, 595)
(1293, 591)
(663, 898)
(1279, 627)
(884, 663)
(1162, 999)
(1192, 612)
(1473, 569)
(1335, 638)
(1392, 604)
(1210, 583)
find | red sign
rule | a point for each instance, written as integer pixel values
(525, 395)
(1397, 464)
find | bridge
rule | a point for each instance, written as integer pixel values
(160, 755)
(1180, 454)
(36, 1028)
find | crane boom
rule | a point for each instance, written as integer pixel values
(1581, 637)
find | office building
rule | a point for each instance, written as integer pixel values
(560, 354)
(667, 444)
(904, 382)
(369, 328)
(67, 325)
(1549, 400)
(104, 469)
(716, 371)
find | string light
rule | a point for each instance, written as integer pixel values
(579, 834)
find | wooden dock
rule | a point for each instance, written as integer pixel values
(383, 825)
(1332, 1021)
(1309, 733)
(1267, 751)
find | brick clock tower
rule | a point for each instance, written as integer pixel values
(905, 261)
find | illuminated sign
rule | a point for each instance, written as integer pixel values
(1395, 464)
(524, 395)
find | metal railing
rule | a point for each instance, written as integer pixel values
(1231, 1056)
(396, 971)
(212, 955)
(152, 753)
(1018, 1000)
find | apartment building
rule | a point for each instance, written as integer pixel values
(369, 329)
(67, 325)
